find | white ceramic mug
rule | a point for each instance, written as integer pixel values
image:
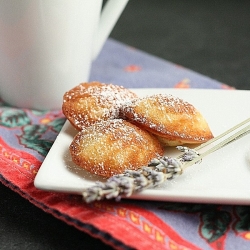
(47, 46)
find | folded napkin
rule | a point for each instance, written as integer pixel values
(27, 135)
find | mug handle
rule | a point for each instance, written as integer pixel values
(109, 16)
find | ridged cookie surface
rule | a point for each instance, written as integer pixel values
(110, 147)
(173, 120)
(91, 102)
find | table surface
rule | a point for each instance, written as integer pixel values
(210, 38)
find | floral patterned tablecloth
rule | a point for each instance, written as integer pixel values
(27, 135)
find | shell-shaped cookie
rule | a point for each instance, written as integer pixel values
(110, 147)
(172, 119)
(91, 102)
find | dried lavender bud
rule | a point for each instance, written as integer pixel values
(157, 171)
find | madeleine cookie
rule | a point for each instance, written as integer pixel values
(91, 102)
(171, 119)
(110, 147)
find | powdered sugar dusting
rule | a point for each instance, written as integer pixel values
(110, 147)
(169, 117)
(91, 102)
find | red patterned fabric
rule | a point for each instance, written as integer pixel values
(26, 137)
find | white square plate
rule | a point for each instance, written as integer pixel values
(222, 177)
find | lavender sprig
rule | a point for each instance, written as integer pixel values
(157, 171)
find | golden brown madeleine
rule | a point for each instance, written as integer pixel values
(91, 102)
(173, 120)
(110, 147)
